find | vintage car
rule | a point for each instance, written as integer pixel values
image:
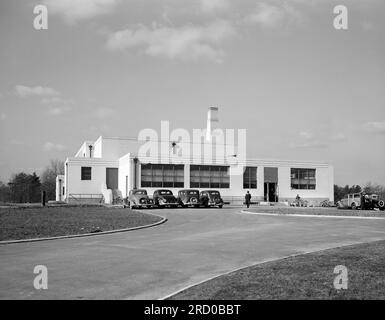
(353, 201)
(138, 198)
(164, 198)
(211, 198)
(188, 197)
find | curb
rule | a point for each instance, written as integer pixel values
(311, 215)
(163, 220)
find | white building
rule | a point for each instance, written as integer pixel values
(111, 166)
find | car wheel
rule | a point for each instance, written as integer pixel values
(354, 207)
(381, 205)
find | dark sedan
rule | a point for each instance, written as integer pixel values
(164, 198)
(188, 197)
(211, 198)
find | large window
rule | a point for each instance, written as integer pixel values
(250, 178)
(162, 176)
(303, 179)
(209, 176)
(86, 173)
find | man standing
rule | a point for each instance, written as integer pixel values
(248, 199)
(362, 200)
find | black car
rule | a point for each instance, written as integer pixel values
(188, 197)
(211, 198)
(164, 198)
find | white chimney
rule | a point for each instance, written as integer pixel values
(212, 122)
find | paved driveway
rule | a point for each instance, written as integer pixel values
(151, 263)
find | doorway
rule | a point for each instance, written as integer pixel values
(112, 176)
(270, 192)
(270, 184)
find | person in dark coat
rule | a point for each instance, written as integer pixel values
(362, 200)
(248, 199)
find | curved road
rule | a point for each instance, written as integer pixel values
(193, 245)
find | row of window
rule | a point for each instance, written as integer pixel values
(209, 177)
(162, 176)
(203, 176)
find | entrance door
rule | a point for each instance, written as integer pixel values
(270, 192)
(270, 184)
(112, 178)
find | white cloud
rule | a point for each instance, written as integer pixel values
(306, 135)
(49, 96)
(187, 43)
(15, 142)
(308, 140)
(55, 111)
(320, 140)
(338, 137)
(313, 144)
(210, 6)
(3, 116)
(49, 146)
(75, 10)
(375, 127)
(24, 91)
(102, 113)
(58, 105)
(271, 16)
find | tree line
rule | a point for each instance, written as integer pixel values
(369, 188)
(27, 188)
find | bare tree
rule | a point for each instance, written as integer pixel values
(48, 177)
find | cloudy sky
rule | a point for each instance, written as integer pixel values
(302, 89)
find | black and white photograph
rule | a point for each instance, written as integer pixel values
(192, 154)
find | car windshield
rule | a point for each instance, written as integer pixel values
(193, 192)
(165, 192)
(143, 192)
(214, 193)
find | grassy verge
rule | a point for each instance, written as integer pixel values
(317, 211)
(308, 276)
(17, 223)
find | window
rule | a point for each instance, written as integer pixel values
(303, 179)
(209, 176)
(250, 178)
(86, 173)
(162, 176)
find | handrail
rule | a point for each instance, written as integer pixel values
(83, 196)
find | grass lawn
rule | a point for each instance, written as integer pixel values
(316, 211)
(308, 276)
(18, 223)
